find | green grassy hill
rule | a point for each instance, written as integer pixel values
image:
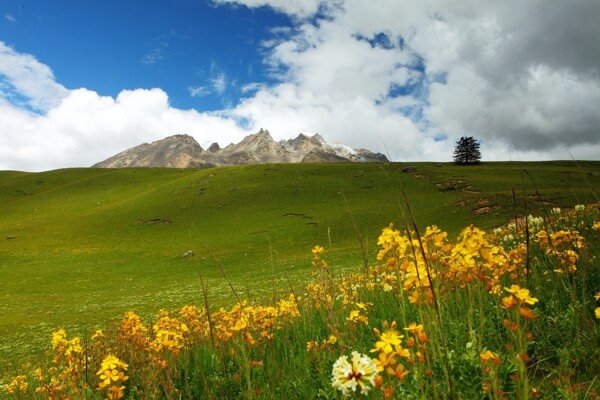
(84, 245)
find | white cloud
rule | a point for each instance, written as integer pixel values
(29, 82)
(522, 76)
(153, 57)
(199, 91)
(296, 8)
(10, 18)
(79, 127)
(220, 82)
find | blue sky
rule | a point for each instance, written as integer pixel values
(201, 54)
(83, 80)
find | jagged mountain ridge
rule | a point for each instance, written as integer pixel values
(183, 151)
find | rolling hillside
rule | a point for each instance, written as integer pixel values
(81, 246)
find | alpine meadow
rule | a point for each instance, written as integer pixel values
(317, 280)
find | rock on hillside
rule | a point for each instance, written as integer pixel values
(183, 151)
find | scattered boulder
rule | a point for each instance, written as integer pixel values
(11, 237)
(188, 253)
(409, 168)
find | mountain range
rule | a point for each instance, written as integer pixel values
(183, 151)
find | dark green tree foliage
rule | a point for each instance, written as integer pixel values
(467, 151)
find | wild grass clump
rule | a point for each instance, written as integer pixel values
(511, 313)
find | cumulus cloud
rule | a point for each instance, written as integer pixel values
(521, 76)
(80, 127)
(24, 80)
(86, 128)
(404, 78)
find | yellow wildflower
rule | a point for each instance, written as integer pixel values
(317, 251)
(98, 333)
(389, 338)
(414, 328)
(521, 294)
(17, 385)
(488, 356)
(384, 360)
(111, 371)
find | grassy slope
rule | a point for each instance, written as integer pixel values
(90, 244)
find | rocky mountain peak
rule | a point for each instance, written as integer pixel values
(214, 148)
(183, 151)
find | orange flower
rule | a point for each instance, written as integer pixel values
(508, 302)
(526, 313)
(400, 372)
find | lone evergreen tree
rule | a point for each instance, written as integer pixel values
(467, 151)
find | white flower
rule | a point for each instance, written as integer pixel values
(360, 372)
(535, 223)
(579, 207)
(556, 210)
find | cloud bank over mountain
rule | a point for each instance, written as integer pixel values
(404, 79)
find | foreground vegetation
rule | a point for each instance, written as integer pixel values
(512, 313)
(84, 246)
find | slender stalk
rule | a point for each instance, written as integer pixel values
(225, 276)
(433, 294)
(363, 250)
(210, 323)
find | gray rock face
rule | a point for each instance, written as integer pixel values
(183, 151)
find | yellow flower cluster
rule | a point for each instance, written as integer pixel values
(475, 259)
(132, 333)
(149, 347)
(424, 270)
(407, 262)
(414, 265)
(169, 333)
(64, 378)
(358, 313)
(253, 323)
(18, 385)
(564, 245)
(520, 298)
(395, 359)
(112, 375)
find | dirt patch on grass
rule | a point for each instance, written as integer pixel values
(297, 215)
(468, 189)
(154, 221)
(450, 186)
(485, 210)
